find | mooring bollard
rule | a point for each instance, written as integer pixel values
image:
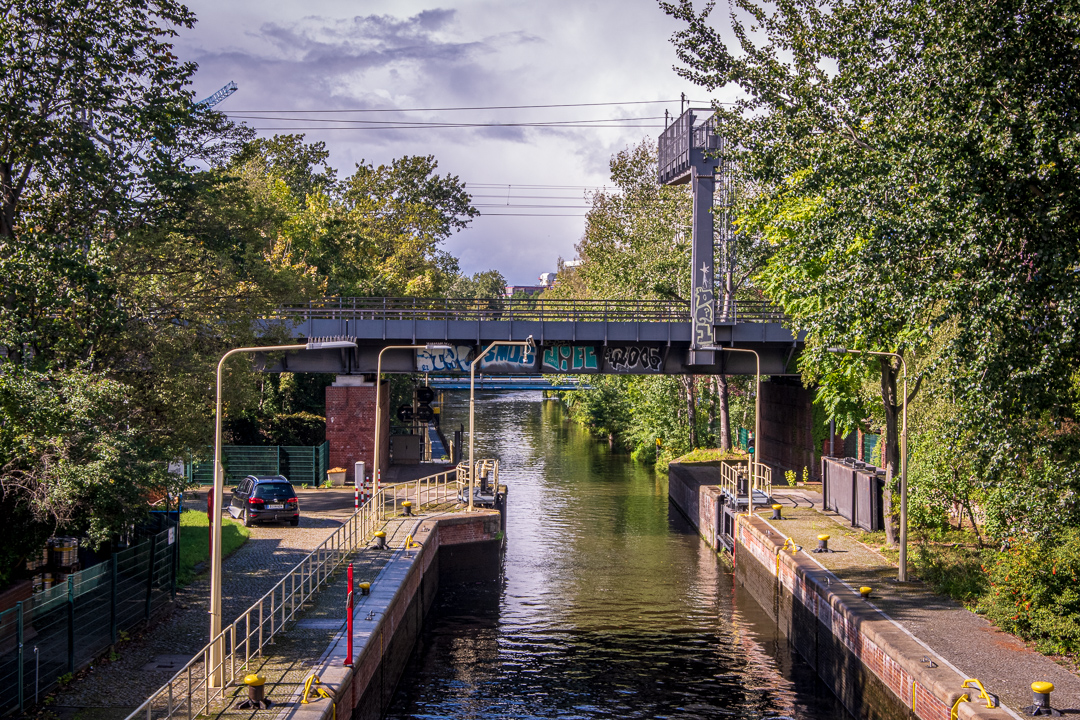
(256, 692)
(865, 592)
(1040, 696)
(365, 588)
(380, 539)
(406, 507)
(822, 544)
(776, 512)
(349, 618)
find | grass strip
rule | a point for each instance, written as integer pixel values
(195, 542)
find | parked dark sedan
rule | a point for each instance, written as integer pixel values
(265, 499)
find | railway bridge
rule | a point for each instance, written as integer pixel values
(572, 338)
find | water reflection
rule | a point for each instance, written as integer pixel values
(609, 604)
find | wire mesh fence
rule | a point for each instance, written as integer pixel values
(62, 629)
(300, 464)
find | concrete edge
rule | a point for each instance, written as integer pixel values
(867, 632)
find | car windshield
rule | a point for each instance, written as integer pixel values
(274, 491)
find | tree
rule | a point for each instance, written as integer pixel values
(917, 172)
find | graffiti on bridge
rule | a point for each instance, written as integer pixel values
(633, 359)
(508, 359)
(449, 359)
(570, 358)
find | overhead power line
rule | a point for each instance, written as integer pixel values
(475, 107)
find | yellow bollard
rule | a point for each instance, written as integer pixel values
(256, 693)
(776, 512)
(406, 508)
(865, 592)
(365, 588)
(822, 544)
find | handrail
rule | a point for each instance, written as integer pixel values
(731, 470)
(507, 309)
(268, 616)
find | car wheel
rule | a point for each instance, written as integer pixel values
(247, 520)
(295, 521)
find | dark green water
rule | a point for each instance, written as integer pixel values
(609, 604)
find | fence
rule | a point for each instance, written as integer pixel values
(300, 464)
(62, 629)
(733, 474)
(531, 308)
(191, 691)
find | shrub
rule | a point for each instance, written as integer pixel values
(1034, 591)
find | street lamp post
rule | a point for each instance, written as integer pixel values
(754, 462)
(216, 647)
(527, 343)
(378, 389)
(902, 574)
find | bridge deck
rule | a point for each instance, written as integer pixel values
(658, 330)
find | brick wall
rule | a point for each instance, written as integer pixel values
(350, 426)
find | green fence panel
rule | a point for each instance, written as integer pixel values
(869, 446)
(300, 464)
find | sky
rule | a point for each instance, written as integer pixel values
(530, 183)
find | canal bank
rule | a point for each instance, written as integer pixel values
(388, 620)
(903, 652)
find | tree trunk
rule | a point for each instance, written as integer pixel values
(710, 383)
(892, 447)
(688, 382)
(725, 416)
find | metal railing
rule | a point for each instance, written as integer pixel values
(488, 309)
(731, 471)
(505, 309)
(747, 311)
(189, 693)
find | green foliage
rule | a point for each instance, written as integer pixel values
(1035, 591)
(918, 180)
(789, 477)
(195, 539)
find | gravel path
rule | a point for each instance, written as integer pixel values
(113, 689)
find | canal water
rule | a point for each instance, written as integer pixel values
(609, 604)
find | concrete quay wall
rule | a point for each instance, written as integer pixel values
(695, 493)
(876, 667)
(388, 621)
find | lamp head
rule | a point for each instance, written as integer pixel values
(437, 346)
(837, 349)
(530, 342)
(329, 344)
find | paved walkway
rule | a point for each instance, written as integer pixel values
(972, 645)
(113, 689)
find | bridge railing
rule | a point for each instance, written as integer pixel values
(189, 692)
(489, 309)
(748, 311)
(520, 308)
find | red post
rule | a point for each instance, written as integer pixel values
(349, 619)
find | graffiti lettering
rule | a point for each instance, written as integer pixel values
(634, 358)
(508, 359)
(703, 316)
(449, 360)
(569, 358)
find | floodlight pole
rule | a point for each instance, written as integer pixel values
(754, 462)
(902, 574)
(216, 640)
(527, 343)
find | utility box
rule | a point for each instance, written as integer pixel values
(405, 449)
(359, 470)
